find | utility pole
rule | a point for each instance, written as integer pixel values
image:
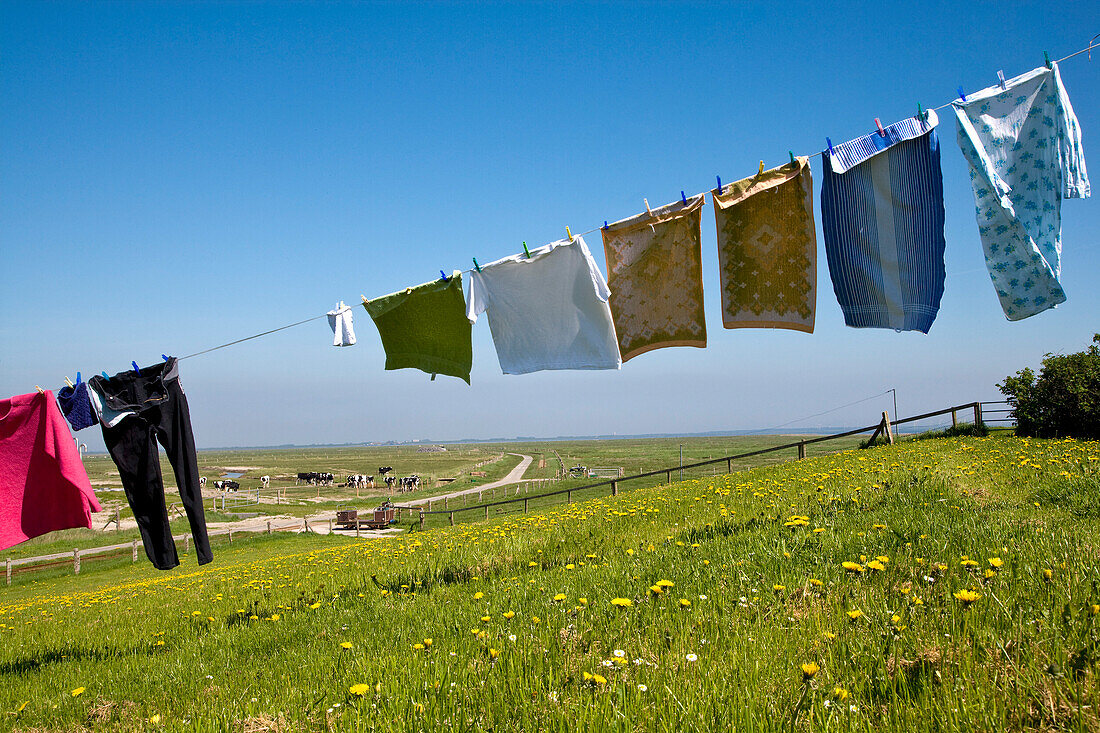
(681, 461)
(895, 393)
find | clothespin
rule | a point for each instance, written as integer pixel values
(961, 95)
(761, 171)
(605, 223)
(647, 206)
(69, 382)
(920, 112)
(719, 183)
(443, 277)
(791, 153)
(365, 301)
(830, 144)
(165, 356)
(879, 126)
(568, 233)
(526, 251)
(78, 377)
(1046, 60)
(105, 375)
(39, 389)
(683, 198)
(476, 266)
(1001, 78)
(136, 370)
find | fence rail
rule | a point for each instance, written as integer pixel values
(884, 426)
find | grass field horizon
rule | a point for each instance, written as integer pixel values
(947, 584)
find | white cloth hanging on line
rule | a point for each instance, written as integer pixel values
(340, 321)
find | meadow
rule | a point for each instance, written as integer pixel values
(947, 584)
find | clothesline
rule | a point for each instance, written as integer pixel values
(1087, 49)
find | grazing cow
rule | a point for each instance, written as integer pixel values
(231, 485)
(325, 479)
(306, 477)
(219, 485)
(383, 470)
(390, 480)
(202, 482)
(265, 480)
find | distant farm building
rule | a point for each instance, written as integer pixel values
(431, 449)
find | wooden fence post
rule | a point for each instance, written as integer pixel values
(118, 519)
(668, 477)
(486, 512)
(133, 551)
(9, 570)
(231, 537)
(330, 526)
(614, 488)
(887, 429)
(801, 449)
(729, 465)
(421, 519)
(76, 561)
(525, 505)
(269, 526)
(954, 418)
(357, 528)
(568, 497)
(186, 543)
(977, 414)
(452, 519)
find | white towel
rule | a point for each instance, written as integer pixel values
(340, 321)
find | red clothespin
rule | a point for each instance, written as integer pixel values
(879, 126)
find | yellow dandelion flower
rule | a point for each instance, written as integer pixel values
(656, 590)
(996, 562)
(154, 719)
(778, 587)
(418, 646)
(855, 614)
(685, 603)
(819, 530)
(77, 692)
(1048, 574)
(1095, 608)
(882, 559)
(427, 643)
(486, 619)
(346, 644)
(509, 614)
(665, 583)
(315, 605)
(895, 619)
(599, 679)
(559, 597)
(359, 690)
(418, 707)
(966, 596)
(582, 601)
(840, 693)
(876, 565)
(532, 564)
(493, 653)
(828, 635)
(809, 670)
(852, 567)
(815, 582)
(622, 602)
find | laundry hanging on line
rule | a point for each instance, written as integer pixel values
(151, 407)
(76, 405)
(882, 217)
(425, 327)
(655, 275)
(43, 484)
(341, 322)
(767, 249)
(546, 310)
(1023, 146)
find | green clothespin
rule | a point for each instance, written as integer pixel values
(791, 153)
(1046, 60)
(920, 112)
(477, 266)
(526, 251)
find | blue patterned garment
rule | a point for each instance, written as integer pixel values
(1023, 145)
(882, 217)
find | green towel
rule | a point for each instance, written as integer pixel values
(426, 328)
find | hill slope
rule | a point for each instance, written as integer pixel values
(969, 600)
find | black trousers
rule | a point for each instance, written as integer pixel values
(160, 414)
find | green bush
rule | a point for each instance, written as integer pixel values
(1065, 399)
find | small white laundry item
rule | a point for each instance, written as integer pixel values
(340, 321)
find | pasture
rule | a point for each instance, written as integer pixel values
(943, 584)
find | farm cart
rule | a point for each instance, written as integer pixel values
(379, 518)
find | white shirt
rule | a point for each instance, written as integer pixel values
(340, 321)
(548, 311)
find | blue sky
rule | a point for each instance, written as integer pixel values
(176, 176)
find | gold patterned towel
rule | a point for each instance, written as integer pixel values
(767, 249)
(655, 273)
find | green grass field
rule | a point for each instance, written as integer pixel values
(932, 585)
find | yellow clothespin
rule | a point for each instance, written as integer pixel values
(569, 234)
(39, 389)
(647, 206)
(68, 382)
(761, 171)
(365, 301)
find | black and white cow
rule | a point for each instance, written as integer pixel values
(265, 480)
(202, 482)
(383, 470)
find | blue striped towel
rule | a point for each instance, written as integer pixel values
(882, 216)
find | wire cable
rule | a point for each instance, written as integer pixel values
(1087, 49)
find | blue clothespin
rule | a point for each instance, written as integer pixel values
(443, 277)
(683, 198)
(164, 356)
(78, 377)
(605, 223)
(961, 95)
(791, 153)
(829, 142)
(105, 375)
(136, 370)
(476, 266)
(1046, 60)
(719, 183)
(526, 251)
